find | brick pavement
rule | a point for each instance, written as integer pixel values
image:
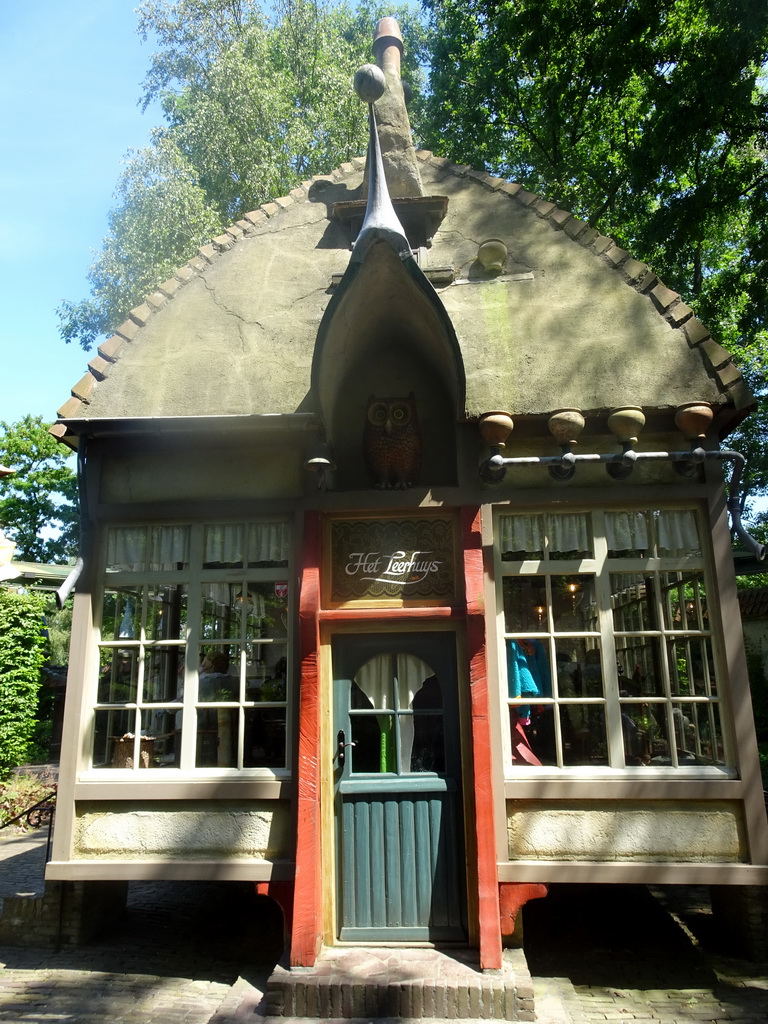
(625, 954)
(186, 953)
(189, 953)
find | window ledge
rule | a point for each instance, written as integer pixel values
(159, 785)
(646, 786)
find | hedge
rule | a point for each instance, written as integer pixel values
(22, 653)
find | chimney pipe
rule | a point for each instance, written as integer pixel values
(388, 45)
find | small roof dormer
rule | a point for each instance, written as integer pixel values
(385, 331)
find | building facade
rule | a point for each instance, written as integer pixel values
(328, 641)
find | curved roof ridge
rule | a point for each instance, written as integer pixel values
(109, 350)
(639, 276)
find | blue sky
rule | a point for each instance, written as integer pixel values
(70, 75)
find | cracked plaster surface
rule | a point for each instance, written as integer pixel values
(558, 326)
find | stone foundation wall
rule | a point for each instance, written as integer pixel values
(65, 914)
(741, 912)
(190, 830)
(625, 831)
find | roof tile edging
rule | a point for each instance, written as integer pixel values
(109, 350)
(717, 361)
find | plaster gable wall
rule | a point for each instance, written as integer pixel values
(238, 339)
(559, 327)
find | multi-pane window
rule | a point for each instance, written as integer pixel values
(194, 647)
(607, 641)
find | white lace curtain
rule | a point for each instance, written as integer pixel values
(267, 541)
(375, 680)
(566, 532)
(626, 531)
(677, 531)
(127, 548)
(158, 548)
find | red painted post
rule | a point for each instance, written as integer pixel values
(485, 834)
(307, 929)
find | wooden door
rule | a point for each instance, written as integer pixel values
(399, 827)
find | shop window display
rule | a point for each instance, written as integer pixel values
(194, 648)
(608, 649)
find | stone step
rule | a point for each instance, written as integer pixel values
(377, 983)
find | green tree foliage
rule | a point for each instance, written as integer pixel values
(252, 106)
(22, 653)
(38, 502)
(647, 120)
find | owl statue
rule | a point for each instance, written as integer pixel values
(392, 442)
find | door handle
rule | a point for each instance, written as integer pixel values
(341, 747)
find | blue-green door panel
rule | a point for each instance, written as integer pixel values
(399, 825)
(401, 878)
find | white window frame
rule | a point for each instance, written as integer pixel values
(193, 577)
(602, 567)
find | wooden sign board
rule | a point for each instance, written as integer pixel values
(390, 561)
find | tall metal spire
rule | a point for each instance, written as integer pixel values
(381, 222)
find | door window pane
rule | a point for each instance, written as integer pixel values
(422, 741)
(375, 684)
(373, 743)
